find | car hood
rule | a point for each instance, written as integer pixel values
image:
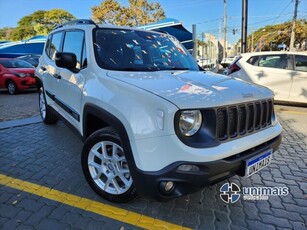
(22, 70)
(194, 89)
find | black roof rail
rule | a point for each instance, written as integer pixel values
(76, 22)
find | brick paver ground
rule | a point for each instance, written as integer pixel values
(22, 105)
(50, 156)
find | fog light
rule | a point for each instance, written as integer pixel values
(188, 168)
(168, 186)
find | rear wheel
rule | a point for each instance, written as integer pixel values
(105, 166)
(12, 88)
(47, 116)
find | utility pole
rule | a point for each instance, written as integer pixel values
(225, 31)
(203, 47)
(252, 46)
(292, 39)
(244, 26)
(194, 38)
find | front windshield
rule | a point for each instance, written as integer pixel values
(134, 50)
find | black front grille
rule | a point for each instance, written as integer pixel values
(243, 119)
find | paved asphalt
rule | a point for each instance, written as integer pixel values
(42, 186)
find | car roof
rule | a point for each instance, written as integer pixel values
(86, 23)
(272, 53)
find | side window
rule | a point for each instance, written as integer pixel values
(301, 63)
(55, 45)
(73, 43)
(273, 61)
(252, 60)
(84, 57)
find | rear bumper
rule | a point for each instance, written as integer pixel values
(151, 184)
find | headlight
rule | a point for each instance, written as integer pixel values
(190, 122)
(22, 74)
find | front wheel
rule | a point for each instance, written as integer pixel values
(47, 116)
(105, 166)
(12, 88)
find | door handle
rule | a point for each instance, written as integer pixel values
(43, 68)
(57, 76)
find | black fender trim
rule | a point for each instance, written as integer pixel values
(111, 120)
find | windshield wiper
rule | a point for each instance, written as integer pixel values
(134, 69)
(179, 68)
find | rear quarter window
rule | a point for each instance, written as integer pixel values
(253, 60)
(301, 63)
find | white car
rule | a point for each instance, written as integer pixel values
(285, 73)
(152, 122)
(227, 61)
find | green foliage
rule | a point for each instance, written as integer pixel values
(38, 23)
(269, 37)
(139, 12)
(5, 33)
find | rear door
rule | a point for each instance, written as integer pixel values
(47, 66)
(299, 75)
(274, 72)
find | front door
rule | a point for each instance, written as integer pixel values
(69, 85)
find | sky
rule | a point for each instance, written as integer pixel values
(206, 14)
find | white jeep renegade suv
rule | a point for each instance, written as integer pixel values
(152, 122)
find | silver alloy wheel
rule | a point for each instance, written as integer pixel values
(11, 88)
(42, 104)
(109, 168)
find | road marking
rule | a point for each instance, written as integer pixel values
(292, 112)
(102, 209)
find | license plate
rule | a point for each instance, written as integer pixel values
(257, 163)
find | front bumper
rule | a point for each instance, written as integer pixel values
(151, 184)
(26, 82)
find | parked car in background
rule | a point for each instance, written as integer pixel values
(4, 42)
(285, 73)
(16, 75)
(227, 61)
(22, 49)
(206, 63)
(33, 59)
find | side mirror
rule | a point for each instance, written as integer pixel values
(66, 60)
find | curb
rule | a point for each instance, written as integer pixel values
(20, 122)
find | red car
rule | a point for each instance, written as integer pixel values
(16, 75)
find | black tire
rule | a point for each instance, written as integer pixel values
(47, 116)
(113, 180)
(12, 88)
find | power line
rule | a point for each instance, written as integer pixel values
(284, 10)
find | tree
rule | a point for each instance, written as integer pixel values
(269, 37)
(39, 23)
(139, 12)
(5, 33)
(21, 33)
(108, 12)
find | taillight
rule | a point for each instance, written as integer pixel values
(234, 67)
